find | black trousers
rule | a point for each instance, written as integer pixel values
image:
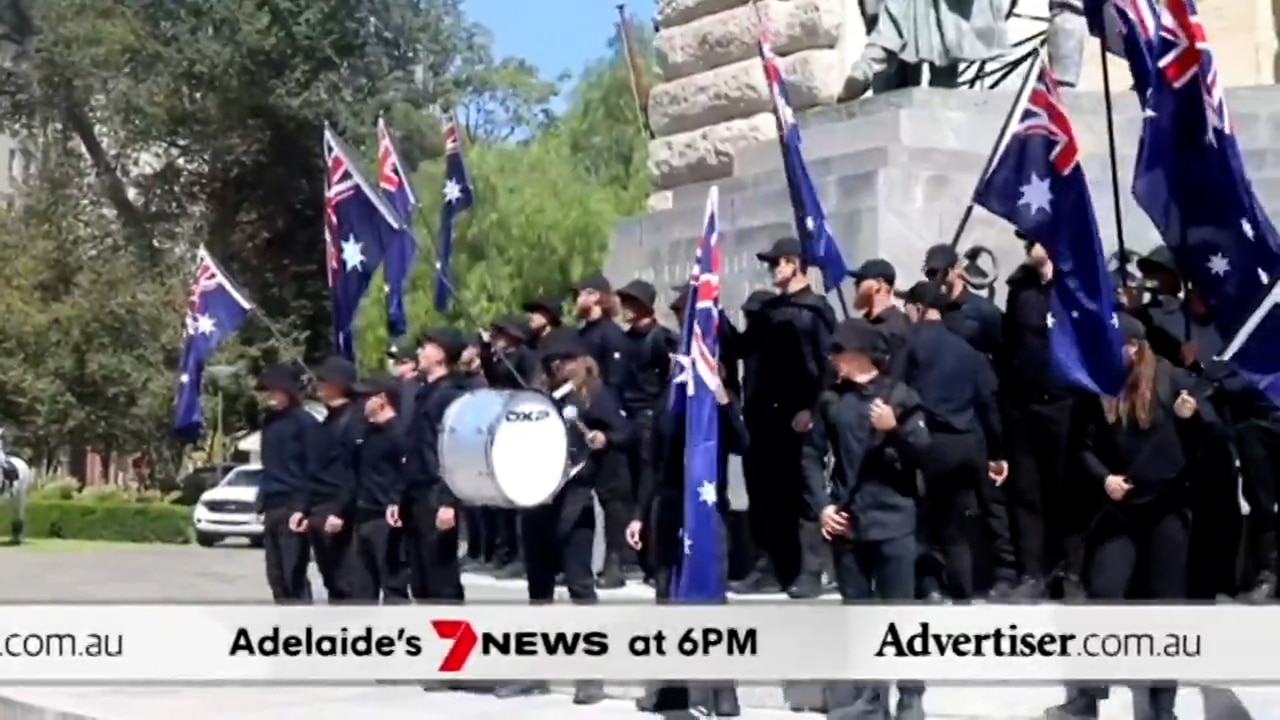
(1048, 517)
(1140, 552)
(335, 558)
(432, 554)
(287, 554)
(638, 460)
(380, 568)
(775, 492)
(479, 533)
(866, 570)
(554, 544)
(1258, 443)
(505, 541)
(613, 490)
(954, 469)
(1216, 525)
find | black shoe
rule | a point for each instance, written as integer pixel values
(610, 577)
(910, 706)
(588, 692)
(510, 571)
(632, 572)
(934, 597)
(756, 583)
(726, 703)
(1073, 589)
(516, 690)
(471, 564)
(1079, 707)
(806, 587)
(1001, 591)
(1263, 591)
(663, 699)
(1029, 590)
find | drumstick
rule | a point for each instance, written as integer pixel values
(570, 412)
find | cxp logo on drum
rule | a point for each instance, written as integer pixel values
(528, 415)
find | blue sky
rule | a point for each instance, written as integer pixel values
(554, 35)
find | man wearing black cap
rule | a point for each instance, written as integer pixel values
(596, 307)
(544, 316)
(957, 389)
(291, 438)
(789, 348)
(404, 366)
(379, 565)
(333, 482)
(874, 427)
(647, 372)
(425, 505)
(1046, 510)
(971, 316)
(873, 298)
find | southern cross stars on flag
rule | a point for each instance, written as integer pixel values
(818, 244)
(458, 197)
(701, 577)
(215, 311)
(1038, 185)
(402, 248)
(359, 226)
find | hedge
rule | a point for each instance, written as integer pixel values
(98, 520)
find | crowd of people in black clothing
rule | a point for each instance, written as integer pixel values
(923, 448)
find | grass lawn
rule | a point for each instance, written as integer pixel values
(50, 545)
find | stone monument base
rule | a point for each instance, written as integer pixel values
(895, 172)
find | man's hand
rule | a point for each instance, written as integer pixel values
(446, 518)
(882, 416)
(635, 530)
(834, 523)
(802, 422)
(298, 522)
(998, 470)
(393, 515)
(1117, 486)
(596, 440)
(1185, 406)
(333, 525)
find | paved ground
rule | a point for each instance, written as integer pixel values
(236, 573)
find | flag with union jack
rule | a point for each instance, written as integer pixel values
(702, 575)
(215, 311)
(1038, 185)
(358, 226)
(458, 197)
(816, 241)
(1129, 29)
(398, 256)
(1191, 180)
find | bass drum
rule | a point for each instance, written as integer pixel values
(504, 448)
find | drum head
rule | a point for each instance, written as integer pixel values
(529, 450)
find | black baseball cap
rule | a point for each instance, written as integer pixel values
(940, 258)
(398, 354)
(337, 371)
(858, 335)
(928, 294)
(451, 342)
(875, 269)
(781, 248)
(380, 384)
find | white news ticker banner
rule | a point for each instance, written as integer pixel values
(84, 644)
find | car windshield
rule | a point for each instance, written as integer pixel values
(243, 478)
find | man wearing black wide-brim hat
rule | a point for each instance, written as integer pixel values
(543, 315)
(333, 479)
(289, 440)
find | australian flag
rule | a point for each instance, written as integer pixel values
(358, 226)
(458, 197)
(399, 254)
(215, 311)
(1038, 185)
(1191, 180)
(702, 570)
(1129, 29)
(817, 242)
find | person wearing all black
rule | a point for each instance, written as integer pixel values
(424, 505)
(967, 314)
(1048, 515)
(559, 537)
(404, 365)
(643, 392)
(509, 364)
(656, 524)
(957, 389)
(874, 300)
(875, 429)
(291, 438)
(544, 315)
(1138, 449)
(382, 575)
(789, 348)
(596, 307)
(332, 491)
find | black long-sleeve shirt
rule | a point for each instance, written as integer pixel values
(381, 464)
(510, 369)
(1028, 357)
(332, 490)
(978, 321)
(665, 471)
(290, 442)
(421, 478)
(956, 384)
(788, 348)
(873, 477)
(1153, 459)
(647, 367)
(608, 345)
(602, 413)
(895, 326)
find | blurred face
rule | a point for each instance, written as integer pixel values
(845, 362)
(1165, 282)
(1131, 351)
(276, 399)
(633, 310)
(1037, 255)
(538, 321)
(329, 392)
(500, 341)
(375, 406)
(586, 301)
(470, 357)
(430, 355)
(405, 370)
(914, 312)
(565, 369)
(784, 270)
(868, 290)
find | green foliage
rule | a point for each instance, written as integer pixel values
(60, 489)
(117, 522)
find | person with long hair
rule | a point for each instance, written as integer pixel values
(559, 537)
(1139, 449)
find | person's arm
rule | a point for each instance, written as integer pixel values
(910, 437)
(1090, 457)
(987, 408)
(605, 415)
(651, 470)
(733, 429)
(814, 448)
(819, 347)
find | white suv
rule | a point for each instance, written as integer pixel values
(230, 509)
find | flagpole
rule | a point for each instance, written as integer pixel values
(1115, 163)
(1002, 138)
